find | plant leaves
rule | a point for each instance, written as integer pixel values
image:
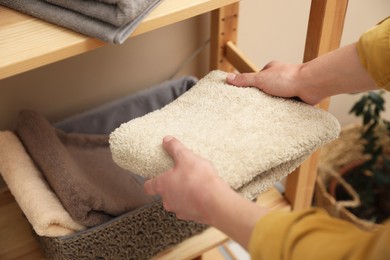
(376, 98)
(358, 108)
(367, 117)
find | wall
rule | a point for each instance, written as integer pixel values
(268, 32)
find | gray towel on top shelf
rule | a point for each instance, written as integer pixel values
(115, 12)
(111, 21)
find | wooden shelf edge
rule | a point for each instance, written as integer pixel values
(195, 246)
(27, 43)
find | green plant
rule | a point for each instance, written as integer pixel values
(371, 179)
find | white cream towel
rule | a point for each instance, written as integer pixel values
(252, 139)
(39, 204)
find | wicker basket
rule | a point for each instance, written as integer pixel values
(335, 156)
(139, 234)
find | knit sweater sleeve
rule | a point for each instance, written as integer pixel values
(313, 234)
(374, 51)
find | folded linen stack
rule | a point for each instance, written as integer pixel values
(108, 20)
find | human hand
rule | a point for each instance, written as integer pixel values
(337, 72)
(277, 79)
(191, 187)
(193, 190)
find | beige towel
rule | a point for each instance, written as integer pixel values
(40, 205)
(252, 139)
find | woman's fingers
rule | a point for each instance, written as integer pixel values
(243, 80)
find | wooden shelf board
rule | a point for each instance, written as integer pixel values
(18, 241)
(27, 43)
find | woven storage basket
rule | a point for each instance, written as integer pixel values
(335, 156)
(140, 234)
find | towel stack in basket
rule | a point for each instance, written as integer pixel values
(73, 194)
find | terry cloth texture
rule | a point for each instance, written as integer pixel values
(106, 118)
(108, 20)
(252, 139)
(35, 198)
(80, 170)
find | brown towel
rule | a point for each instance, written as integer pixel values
(80, 170)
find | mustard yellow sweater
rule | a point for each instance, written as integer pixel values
(374, 52)
(313, 234)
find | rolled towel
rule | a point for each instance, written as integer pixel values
(111, 21)
(80, 170)
(35, 198)
(252, 139)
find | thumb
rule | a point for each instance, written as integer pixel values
(149, 188)
(173, 147)
(243, 79)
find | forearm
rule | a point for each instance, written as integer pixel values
(234, 215)
(334, 73)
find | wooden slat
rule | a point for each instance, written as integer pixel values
(224, 22)
(300, 183)
(326, 22)
(195, 246)
(273, 200)
(27, 43)
(238, 59)
(214, 254)
(16, 237)
(325, 27)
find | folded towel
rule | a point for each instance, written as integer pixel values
(80, 170)
(39, 204)
(108, 20)
(105, 118)
(252, 139)
(115, 12)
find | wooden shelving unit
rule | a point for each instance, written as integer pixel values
(27, 43)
